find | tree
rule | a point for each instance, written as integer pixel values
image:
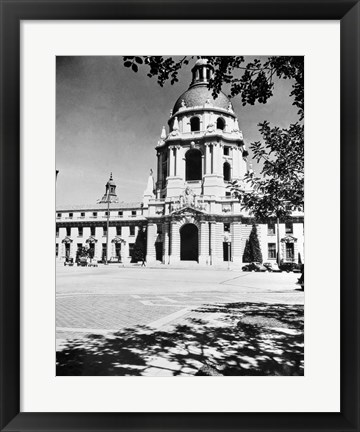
(252, 251)
(279, 190)
(139, 253)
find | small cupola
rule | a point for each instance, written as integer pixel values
(201, 72)
(110, 191)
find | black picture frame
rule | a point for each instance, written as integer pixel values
(12, 12)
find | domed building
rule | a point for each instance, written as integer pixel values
(188, 212)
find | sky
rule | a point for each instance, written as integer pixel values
(109, 119)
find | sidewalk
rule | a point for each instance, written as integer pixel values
(241, 338)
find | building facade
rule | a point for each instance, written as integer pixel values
(188, 213)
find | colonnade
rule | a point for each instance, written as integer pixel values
(210, 242)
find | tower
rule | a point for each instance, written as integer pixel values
(204, 148)
(192, 216)
(110, 191)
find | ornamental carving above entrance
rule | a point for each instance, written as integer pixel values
(188, 199)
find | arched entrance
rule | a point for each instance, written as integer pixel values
(189, 243)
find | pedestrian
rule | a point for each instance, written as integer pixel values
(143, 264)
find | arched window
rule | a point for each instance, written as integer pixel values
(195, 124)
(227, 171)
(220, 123)
(193, 165)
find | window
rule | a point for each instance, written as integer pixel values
(226, 151)
(82, 215)
(228, 194)
(133, 213)
(290, 251)
(71, 215)
(95, 214)
(226, 227)
(227, 171)
(220, 123)
(271, 228)
(59, 215)
(195, 124)
(57, 231)
(271, 250)
(288, 227)
(132, 230)
(118, 230)
(68, 231)
(80, 231)
(104, 231)
(57, 249)
(103, 254)
(120, 213)
(106, 213)
(193, 165)
(92, 230)
(159, 229)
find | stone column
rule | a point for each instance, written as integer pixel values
(171, 162)
(151, 238)
(202, 165)
(204, 73)
(166, 243)
(220, 160)
(217, 159)
(234, 164)
(73, 244)
(175, 242)
(217, 234)
(178, 162)
(207, 159)
(98, 244)
(216, 242)
(113, 249)
(236, 243)
(62, 235)
(204, 243)
(125, 247)
(159, 171)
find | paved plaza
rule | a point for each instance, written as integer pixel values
(177, 321)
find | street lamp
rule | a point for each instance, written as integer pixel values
(107, 221)
(278, 240)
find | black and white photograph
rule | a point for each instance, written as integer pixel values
(180, 216)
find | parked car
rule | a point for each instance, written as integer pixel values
(290, 267)
(92, 262)
(272, 267)
(254, 266)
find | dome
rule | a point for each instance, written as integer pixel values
(198, 95)
(201, 62)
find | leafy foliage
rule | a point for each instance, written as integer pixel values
(279, 189)
(253, 81)
(139, 253)
(84, 252)
(252, 251)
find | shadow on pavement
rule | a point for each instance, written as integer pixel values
(231, 339)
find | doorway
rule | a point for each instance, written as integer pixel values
(189, 243)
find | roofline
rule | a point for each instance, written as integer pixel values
(202, 108)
